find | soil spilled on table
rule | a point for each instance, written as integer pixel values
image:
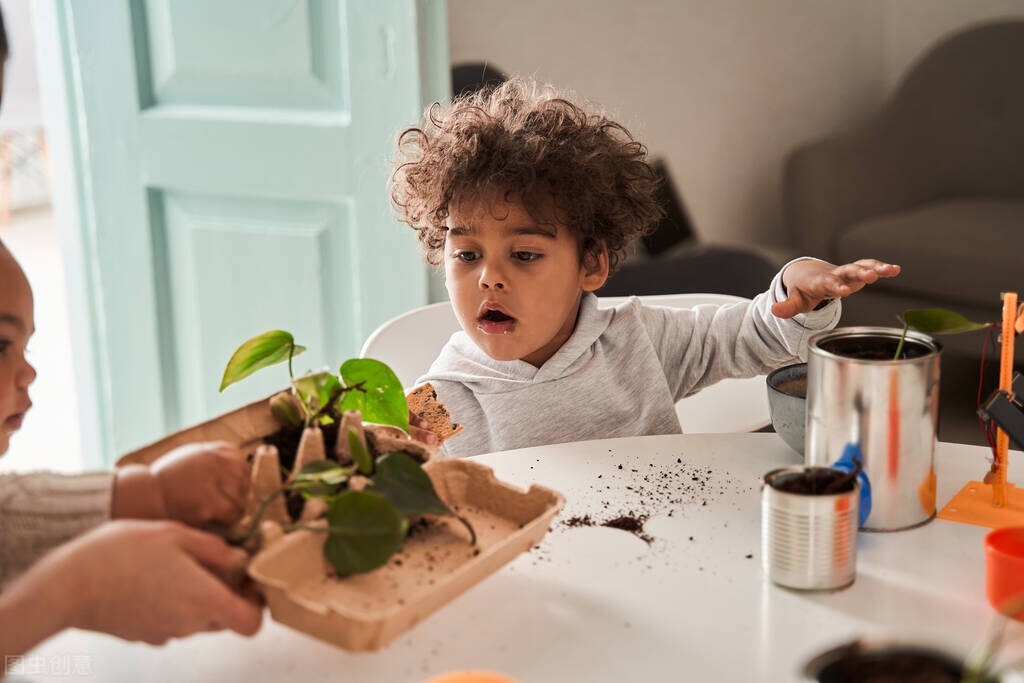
(631, 522)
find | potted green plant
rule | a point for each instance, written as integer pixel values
(893, 661)
(369, 485)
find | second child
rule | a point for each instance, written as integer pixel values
(530, 201)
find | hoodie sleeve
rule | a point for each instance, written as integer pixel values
(700, 346)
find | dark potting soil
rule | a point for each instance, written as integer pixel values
(626, 523)
(294, 502)
(793, 387)
(892, 666)
(873, 347)
(574, 522)
(815, 481)
(632, 523)
(286, 440)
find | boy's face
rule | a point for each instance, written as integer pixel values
(16, 326)
(515, 283)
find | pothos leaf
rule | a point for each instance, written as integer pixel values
(321, 478)
(364, 530)
(360, 456)
(269, 348)
(316, 388)
(380, 397)
(939, 321)
(407, 486)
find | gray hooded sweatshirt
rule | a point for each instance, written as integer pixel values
(619, 374)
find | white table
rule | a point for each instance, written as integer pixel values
(599, 604)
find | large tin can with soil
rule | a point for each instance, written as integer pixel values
(859, 395)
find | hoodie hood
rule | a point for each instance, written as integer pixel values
(462, 361)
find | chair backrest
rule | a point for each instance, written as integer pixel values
(410, 342)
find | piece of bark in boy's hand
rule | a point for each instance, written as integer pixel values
(433, 415)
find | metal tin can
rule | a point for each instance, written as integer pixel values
(808, 541)
(887, 408)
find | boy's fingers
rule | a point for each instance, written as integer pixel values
(424, 435)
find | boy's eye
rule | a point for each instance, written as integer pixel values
(525, 256)
(4, 344)
(467, 256)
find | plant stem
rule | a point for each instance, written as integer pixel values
(903, 338)
(335, 395)
(469, 527)
(291, 352)
(308, 527)
(257, 516)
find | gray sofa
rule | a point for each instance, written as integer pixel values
(934, 182)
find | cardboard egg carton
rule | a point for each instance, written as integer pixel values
(435, 564)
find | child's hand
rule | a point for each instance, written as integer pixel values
(809, 282)
(203, 483)
(419, 429)
(144, 580)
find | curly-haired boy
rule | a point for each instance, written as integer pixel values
(530, 201)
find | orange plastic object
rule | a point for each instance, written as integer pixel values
(973, 505)
(1004, 570)
(994, 502)
(471, 677)
(998, 478)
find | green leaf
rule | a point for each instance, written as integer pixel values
(381, 398)
(321, 478)
(407, 486)
(939, 321)
(365, 530)
(269, 348)
(360, 456)
(316, 388)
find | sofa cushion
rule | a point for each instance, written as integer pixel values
(953, 252)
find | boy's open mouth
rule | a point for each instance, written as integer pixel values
(493, 321)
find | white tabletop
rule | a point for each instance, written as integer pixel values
(600, 604)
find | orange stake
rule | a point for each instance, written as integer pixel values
(1005, 381)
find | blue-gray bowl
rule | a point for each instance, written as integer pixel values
(787, 404)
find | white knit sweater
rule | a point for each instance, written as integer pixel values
(41, 510)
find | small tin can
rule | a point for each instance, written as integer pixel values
(808, 541)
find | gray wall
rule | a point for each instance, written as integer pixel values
(723, 89)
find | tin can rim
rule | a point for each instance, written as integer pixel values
(865, 331)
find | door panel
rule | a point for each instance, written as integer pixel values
(234, 158)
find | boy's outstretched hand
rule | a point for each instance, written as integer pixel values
(809, 282)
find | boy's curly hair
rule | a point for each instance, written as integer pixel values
(529, 142)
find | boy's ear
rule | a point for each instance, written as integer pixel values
(595, 270)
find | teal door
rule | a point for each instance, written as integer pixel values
(229, 162)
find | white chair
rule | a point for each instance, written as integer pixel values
(410, 342)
